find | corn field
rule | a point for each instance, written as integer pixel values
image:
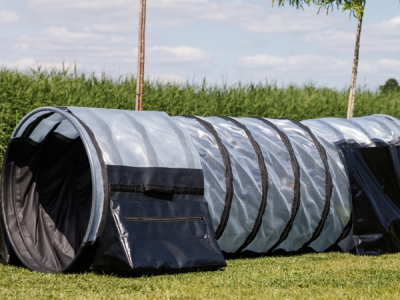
(21, 92)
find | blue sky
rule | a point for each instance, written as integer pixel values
(220, 40)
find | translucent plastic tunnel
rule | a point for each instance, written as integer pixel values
(142, 191)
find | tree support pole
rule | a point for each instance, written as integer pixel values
(353, 86)
(141, 52)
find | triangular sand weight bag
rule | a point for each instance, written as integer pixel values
(141, 191)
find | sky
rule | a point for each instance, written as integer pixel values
(221, 41)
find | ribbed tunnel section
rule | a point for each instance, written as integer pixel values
(141, 191)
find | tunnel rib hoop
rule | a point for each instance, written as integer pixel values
(98, 192)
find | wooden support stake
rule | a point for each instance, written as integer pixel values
(141, 52)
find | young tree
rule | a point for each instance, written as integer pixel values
(390, 86)
(297, 3)
(356, 8)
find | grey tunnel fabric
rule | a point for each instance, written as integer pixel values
(246, 183)
(301, 208)
(309, 201)
(106, 189)
(142, 191)
(312, 186)
(340, 208)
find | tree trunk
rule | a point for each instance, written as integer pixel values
(141, 51)
(353, 86)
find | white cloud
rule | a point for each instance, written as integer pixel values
(90, 53)
(387, 67)
(89, 5)
(300, 68)
(163, 54)
(30, 62)
(63, 43)
(61, 39)
(64, 35)
(382, 37)
(389, 28)
(158, 55)
(288, 22)
(101, 35)
(295, 63)
(22, 63)
(249, 17)
(119, 14)
(8, 17)
(330, 38)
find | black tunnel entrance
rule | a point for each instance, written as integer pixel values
(50, 185)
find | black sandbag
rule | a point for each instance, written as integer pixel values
(158, 221)
(375, 187)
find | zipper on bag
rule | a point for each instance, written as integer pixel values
(163, 219)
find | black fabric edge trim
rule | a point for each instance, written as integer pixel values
(228, 175)
(11, 169)
(350, 143)
(5, 189)
(83, 252)
(34, 143)
(24, 139)
(31, 127)
(103, 172)
(328, 183)
(343, 235)
(391, 119)
(264, 182)
(374, 143)
(63, 137)
(130, 188)
(157, 176)
(296, 171)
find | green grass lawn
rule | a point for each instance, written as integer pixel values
(310, 276)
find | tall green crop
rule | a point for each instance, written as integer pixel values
(25, 91)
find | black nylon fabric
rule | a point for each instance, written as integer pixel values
(157, 231)
(48, 203)
(156, 188)
(4, 251)
(375, 187)
(156, 176)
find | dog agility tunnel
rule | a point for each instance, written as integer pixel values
(141, 191)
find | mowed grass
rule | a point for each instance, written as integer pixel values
(311, 276)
